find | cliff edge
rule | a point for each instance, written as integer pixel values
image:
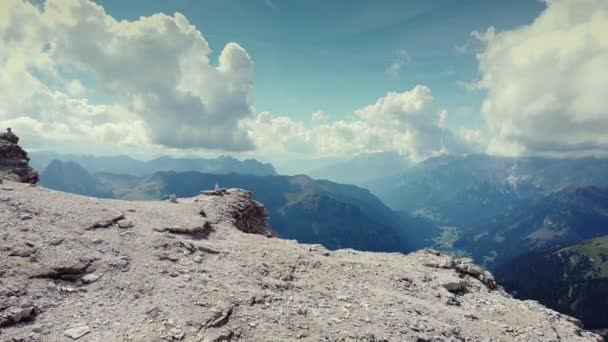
(205, 269)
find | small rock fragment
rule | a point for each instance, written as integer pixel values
(90, 278)
(222, 336)
(25, 217)
(125, 224)
(68, 271)
(106, 223)
(77, 332)
(197, 232)
(456, 287)
(453, 301)
(22, 252)
(56, 242)
(220, 318)
(471, 316)
(176, 334)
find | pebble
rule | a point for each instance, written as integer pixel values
(125, 224)
(90, 278)
(26, 217)
(77, 332)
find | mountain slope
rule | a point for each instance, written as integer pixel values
(578, 275)
(331, 214)
(156, 281)
(441, 179)
(71, 177)
(560, 218)
(334, 215)
(495, 208)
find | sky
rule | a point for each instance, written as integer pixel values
(296, 80)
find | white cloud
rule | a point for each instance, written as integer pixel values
(407, 122)
(473, 137)
(319, 116)
(547, 82)
(75, 88)
(153, 77)
(402, 57)
(71, 75)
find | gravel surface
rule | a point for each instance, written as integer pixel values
(78, 268)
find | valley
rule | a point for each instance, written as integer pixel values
(498, 211)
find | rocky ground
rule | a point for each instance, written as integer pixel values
(208, 269)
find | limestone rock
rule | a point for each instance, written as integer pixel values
(219, 192)
(220, 317)
(14, 162)
(14, 315)
(77, 332)
(250, 216)
(90, 278)
(125, 224)
(456, 287)
(105, 223)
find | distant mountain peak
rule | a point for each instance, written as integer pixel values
(123, 164)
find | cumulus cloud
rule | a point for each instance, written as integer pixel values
(546, 82)
(409, 122)
(319, 116)
(69, 67)
(402, 57)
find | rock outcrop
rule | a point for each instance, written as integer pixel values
(203, 269)
(247, 215)
(14, 162)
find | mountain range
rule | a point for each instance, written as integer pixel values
(122, 164)
(442, 179)
(495, 208)
(324, 212)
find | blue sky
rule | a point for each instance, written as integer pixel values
(332, 55)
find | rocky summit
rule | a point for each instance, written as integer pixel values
(209, 269)
(14, 162)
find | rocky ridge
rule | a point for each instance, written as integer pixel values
(14, 162)
(204, 269)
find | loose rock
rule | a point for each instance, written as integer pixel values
(90, 278)
(125, 224)
(77, 332)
